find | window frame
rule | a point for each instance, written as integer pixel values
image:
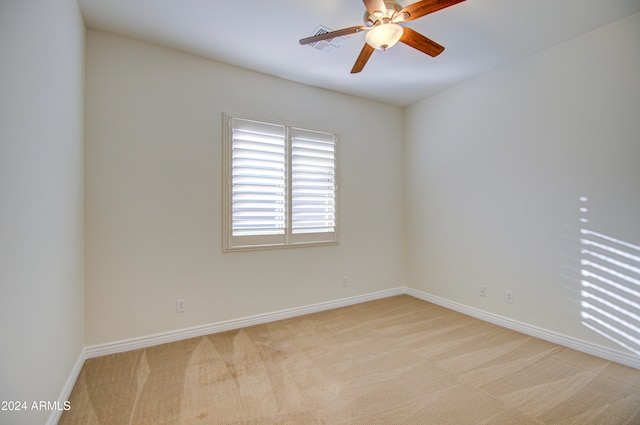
(288, 239)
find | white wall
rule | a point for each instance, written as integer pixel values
(41, 200)
(153, 189)
(495, 169)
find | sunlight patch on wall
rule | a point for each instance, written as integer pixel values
(610, 285)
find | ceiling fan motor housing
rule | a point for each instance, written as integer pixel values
(393, 8)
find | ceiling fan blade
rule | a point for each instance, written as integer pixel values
(364, 56)
(375, 7)
(333, 34)
(424, 7)
(420, 42)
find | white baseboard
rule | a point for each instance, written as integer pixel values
(196, 331)
(54, 417)
(555, 337)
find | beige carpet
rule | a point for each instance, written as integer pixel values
(398, 360)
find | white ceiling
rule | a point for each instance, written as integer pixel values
(262, 35)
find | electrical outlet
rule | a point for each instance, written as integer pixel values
(509, 297)
(483, 291)
(181, 305)
(344, 282)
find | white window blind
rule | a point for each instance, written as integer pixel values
(258, 178)
(313, 182)
(281, 185)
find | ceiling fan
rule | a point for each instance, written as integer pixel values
(382, 22)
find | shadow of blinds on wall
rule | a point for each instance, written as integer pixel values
(610, 285)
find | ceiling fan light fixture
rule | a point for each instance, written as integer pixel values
(383, 36)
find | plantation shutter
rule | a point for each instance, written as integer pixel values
(313, 184)
(280, 185)
(258, 179)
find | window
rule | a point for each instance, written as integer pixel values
(281, 187)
